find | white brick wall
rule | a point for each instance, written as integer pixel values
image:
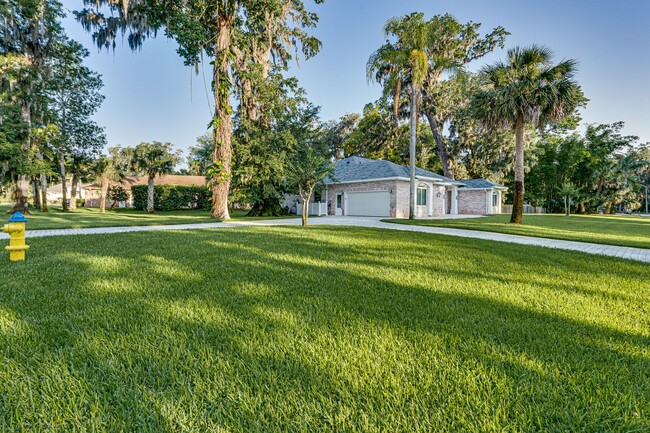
(471, 202)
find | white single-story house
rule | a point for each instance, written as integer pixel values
(55, 192)
(368, 187)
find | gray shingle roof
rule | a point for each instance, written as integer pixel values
(480, 184)
(356, 168)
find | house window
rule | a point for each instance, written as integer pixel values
(317, 197)
(422, 196)
(339, 201)
(495, 199)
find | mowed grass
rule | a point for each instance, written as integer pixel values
(610, 230)
(91, 217)
(277, 329)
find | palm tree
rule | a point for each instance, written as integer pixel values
(568, 190)
(104, 172)
(403, 62)
(154, 158)
(526, 89)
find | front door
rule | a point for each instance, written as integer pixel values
(339, 204)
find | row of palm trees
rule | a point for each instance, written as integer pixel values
(526, 88)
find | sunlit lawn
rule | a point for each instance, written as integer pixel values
(277, 329)
(611, 230)
(91, 217)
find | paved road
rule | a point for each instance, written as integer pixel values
(638, 254)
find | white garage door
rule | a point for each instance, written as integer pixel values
(374, 203)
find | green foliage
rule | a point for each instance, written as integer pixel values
(13, 132)
(375, 135)
(122, 158)
(104, 171)
(606, 166)
(173, 197)
(199, 159)
(117, 193)
(527, 86)
(328, 329)
(155, 158)
(262, 148)
(308, 166)
(74, 96)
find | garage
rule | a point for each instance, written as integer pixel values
(369, 203)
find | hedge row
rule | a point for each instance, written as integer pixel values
(173, 197)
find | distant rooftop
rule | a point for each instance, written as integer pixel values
(166, 179)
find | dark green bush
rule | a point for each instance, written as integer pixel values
(173, 197)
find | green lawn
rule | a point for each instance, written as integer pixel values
(91, 217)
(276, 329)
(610, 230)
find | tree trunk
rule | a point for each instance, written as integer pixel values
(36, 193)
(442, 147)
(103, 192)
(44, 207)
(73, 192)
(412, 149)
(222, 155)
(398, 91)
(566, 207)
(305, 212)
(306, 197)
(150, 191)
(608, 208)
(21, 193)
(518, 198)
(64, 187)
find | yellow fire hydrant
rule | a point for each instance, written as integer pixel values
(16, 230)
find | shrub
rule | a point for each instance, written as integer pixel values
(173, 197)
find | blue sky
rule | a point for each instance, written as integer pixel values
(150, 95)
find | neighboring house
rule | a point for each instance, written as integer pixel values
(55, 192)
(93, 191)
(368, 187)
(480, 197)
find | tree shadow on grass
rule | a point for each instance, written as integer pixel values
(282, 329)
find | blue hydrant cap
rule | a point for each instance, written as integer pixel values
(18, 218)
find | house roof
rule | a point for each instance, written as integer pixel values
(480, 184)
(56, 189)
(165, 179)
(356, 169)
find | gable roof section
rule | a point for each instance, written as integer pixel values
(481, 184)
(358, 169)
